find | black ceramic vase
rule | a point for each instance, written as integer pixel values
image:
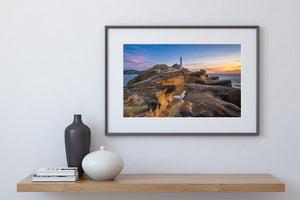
(77, 142)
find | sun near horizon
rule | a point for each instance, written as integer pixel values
(233, 67)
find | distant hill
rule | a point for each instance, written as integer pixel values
(132, 71)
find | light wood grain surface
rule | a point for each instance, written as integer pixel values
(162, 183)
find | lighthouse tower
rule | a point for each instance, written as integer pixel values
(180, 67)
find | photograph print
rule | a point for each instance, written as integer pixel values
(182, 80)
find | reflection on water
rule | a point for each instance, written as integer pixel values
(180, 91)
(180, 96)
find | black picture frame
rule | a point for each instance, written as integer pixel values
(109, 133)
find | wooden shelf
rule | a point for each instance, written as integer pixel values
(162, 183)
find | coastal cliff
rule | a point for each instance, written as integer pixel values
(166, 91)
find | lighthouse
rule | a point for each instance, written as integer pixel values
(180, 67)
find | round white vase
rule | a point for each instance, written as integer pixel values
(102, 165)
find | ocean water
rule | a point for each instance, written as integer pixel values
(127, 78)
(235, 78)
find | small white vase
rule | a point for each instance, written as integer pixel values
(102, 165)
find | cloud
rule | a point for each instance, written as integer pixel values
(130, 58)
(137, 62)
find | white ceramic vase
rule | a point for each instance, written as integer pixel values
(102, 165)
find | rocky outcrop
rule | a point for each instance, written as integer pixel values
(212, 78)
(226, 83)
(216, 101)
(180, 93)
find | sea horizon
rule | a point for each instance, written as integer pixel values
(191, 71)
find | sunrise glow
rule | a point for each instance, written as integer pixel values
(214, 58)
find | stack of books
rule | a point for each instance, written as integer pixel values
(59, 174)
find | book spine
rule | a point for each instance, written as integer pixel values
(36, 178)
(61, 173)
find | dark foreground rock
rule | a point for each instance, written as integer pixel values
(226, 83)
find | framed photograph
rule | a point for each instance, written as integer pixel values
(181, 80)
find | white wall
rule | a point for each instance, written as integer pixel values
(52, 66)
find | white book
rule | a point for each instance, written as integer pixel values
(57, 171)
(36, 178)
